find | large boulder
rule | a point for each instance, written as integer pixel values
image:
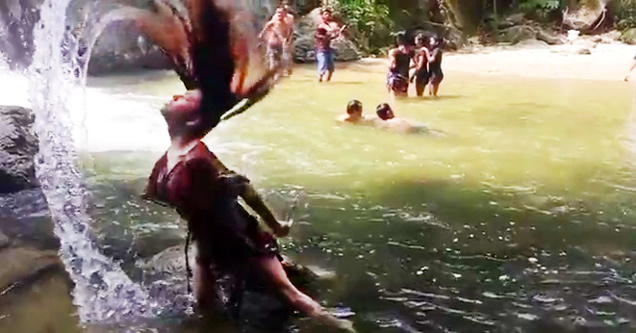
(121, 47)
(23, 264)
(548, 37)
(18, 146)
(454, 40)
(517, 34)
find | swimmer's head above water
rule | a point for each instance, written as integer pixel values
(384, 111)
(354, 108)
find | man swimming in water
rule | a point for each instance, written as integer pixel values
(326, 31)
(387, 120)
(400, 62)
(354, 114)
(276, 34)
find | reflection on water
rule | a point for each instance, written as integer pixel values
(519, 219)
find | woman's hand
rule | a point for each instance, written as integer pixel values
(283, 228)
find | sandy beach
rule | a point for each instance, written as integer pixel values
(606, 61)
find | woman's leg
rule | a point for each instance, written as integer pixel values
(204, 281)
(274, 273)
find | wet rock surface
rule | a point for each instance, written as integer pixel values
(120, 47)
(32, 276)
(18, 146)
(260, 307)
(45, 308)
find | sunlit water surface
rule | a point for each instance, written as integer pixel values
(519, 218)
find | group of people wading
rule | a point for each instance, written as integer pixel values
(425, 58)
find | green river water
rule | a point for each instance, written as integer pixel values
(519, 218)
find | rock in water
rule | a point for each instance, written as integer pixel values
(25, 265)
(260, 307)
(18, 146)
(4, 240)
(517, 34)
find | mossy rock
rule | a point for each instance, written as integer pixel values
(628, 36)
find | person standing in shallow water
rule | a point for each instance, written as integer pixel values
(400, 63)
(191, 179)
(422, 57)
(435, 65)
(631, 69)
(276, 33)
(326, 31)
(288, 49)
(215, 54)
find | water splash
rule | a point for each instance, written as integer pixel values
(103, 292)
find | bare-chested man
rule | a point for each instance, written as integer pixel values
(278, 34)
(289, 50)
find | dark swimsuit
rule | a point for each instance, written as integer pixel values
(435, 67)
(398, 78)
(225, 233)
(422, 77)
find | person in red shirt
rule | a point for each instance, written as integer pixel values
(326, 31)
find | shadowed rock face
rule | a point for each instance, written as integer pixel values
(119, 47)
(18, 146)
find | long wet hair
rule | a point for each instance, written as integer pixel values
(212, 49)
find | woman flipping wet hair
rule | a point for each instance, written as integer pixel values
(212, 51)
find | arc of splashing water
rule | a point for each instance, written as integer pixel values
(103, 292)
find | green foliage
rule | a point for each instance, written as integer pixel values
(540, 9)
(530, 5)
(369, 21)
(626, 14)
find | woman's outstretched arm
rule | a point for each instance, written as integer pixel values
(253, 199)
